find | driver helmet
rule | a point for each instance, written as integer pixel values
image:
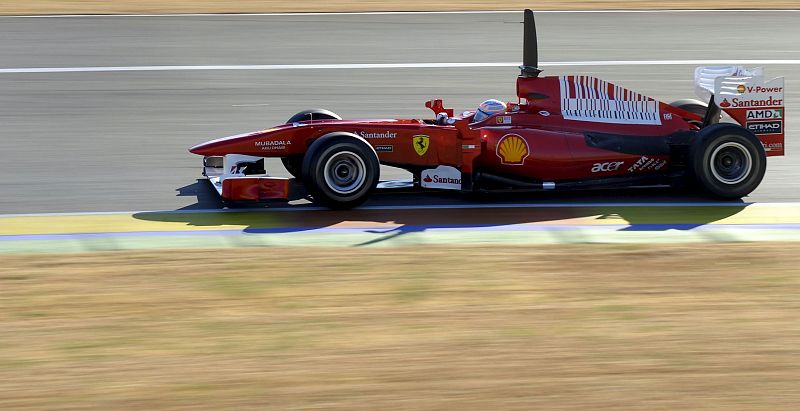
(488, 108)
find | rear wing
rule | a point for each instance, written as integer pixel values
(754, 103)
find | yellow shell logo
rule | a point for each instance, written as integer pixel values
(512, 150)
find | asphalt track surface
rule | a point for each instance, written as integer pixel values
(114, 141)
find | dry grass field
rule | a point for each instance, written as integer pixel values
(708, 326)
(256, 6)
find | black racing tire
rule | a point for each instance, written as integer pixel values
(692, 106)
(727, 160)
(340, 170)
(294, 164)
(313, 114)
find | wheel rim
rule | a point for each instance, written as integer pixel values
(345, 172)
(731, 163)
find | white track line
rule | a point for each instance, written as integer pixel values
(351, 66)
(423, 207)
(400, 13)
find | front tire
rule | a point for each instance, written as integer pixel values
(313, 114)
(294, 164)
(728, 160)
(340, 170)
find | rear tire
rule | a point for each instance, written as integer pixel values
(728, 160)
(294, 164)
(692, 106)
(340, 170)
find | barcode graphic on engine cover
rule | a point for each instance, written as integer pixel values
(585, 98)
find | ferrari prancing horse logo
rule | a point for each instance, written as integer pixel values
(421, 144)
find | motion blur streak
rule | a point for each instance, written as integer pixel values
(387, 66)
(113, 141)
(394, 13)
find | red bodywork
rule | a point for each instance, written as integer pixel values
(256, 188)
(563, 129)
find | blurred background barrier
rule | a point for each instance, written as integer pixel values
(271, 6)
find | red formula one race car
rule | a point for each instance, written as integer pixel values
(565, 132)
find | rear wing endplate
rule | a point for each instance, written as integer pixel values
(754, 103)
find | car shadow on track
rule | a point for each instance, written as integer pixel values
(207, 199)
(620, 210)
